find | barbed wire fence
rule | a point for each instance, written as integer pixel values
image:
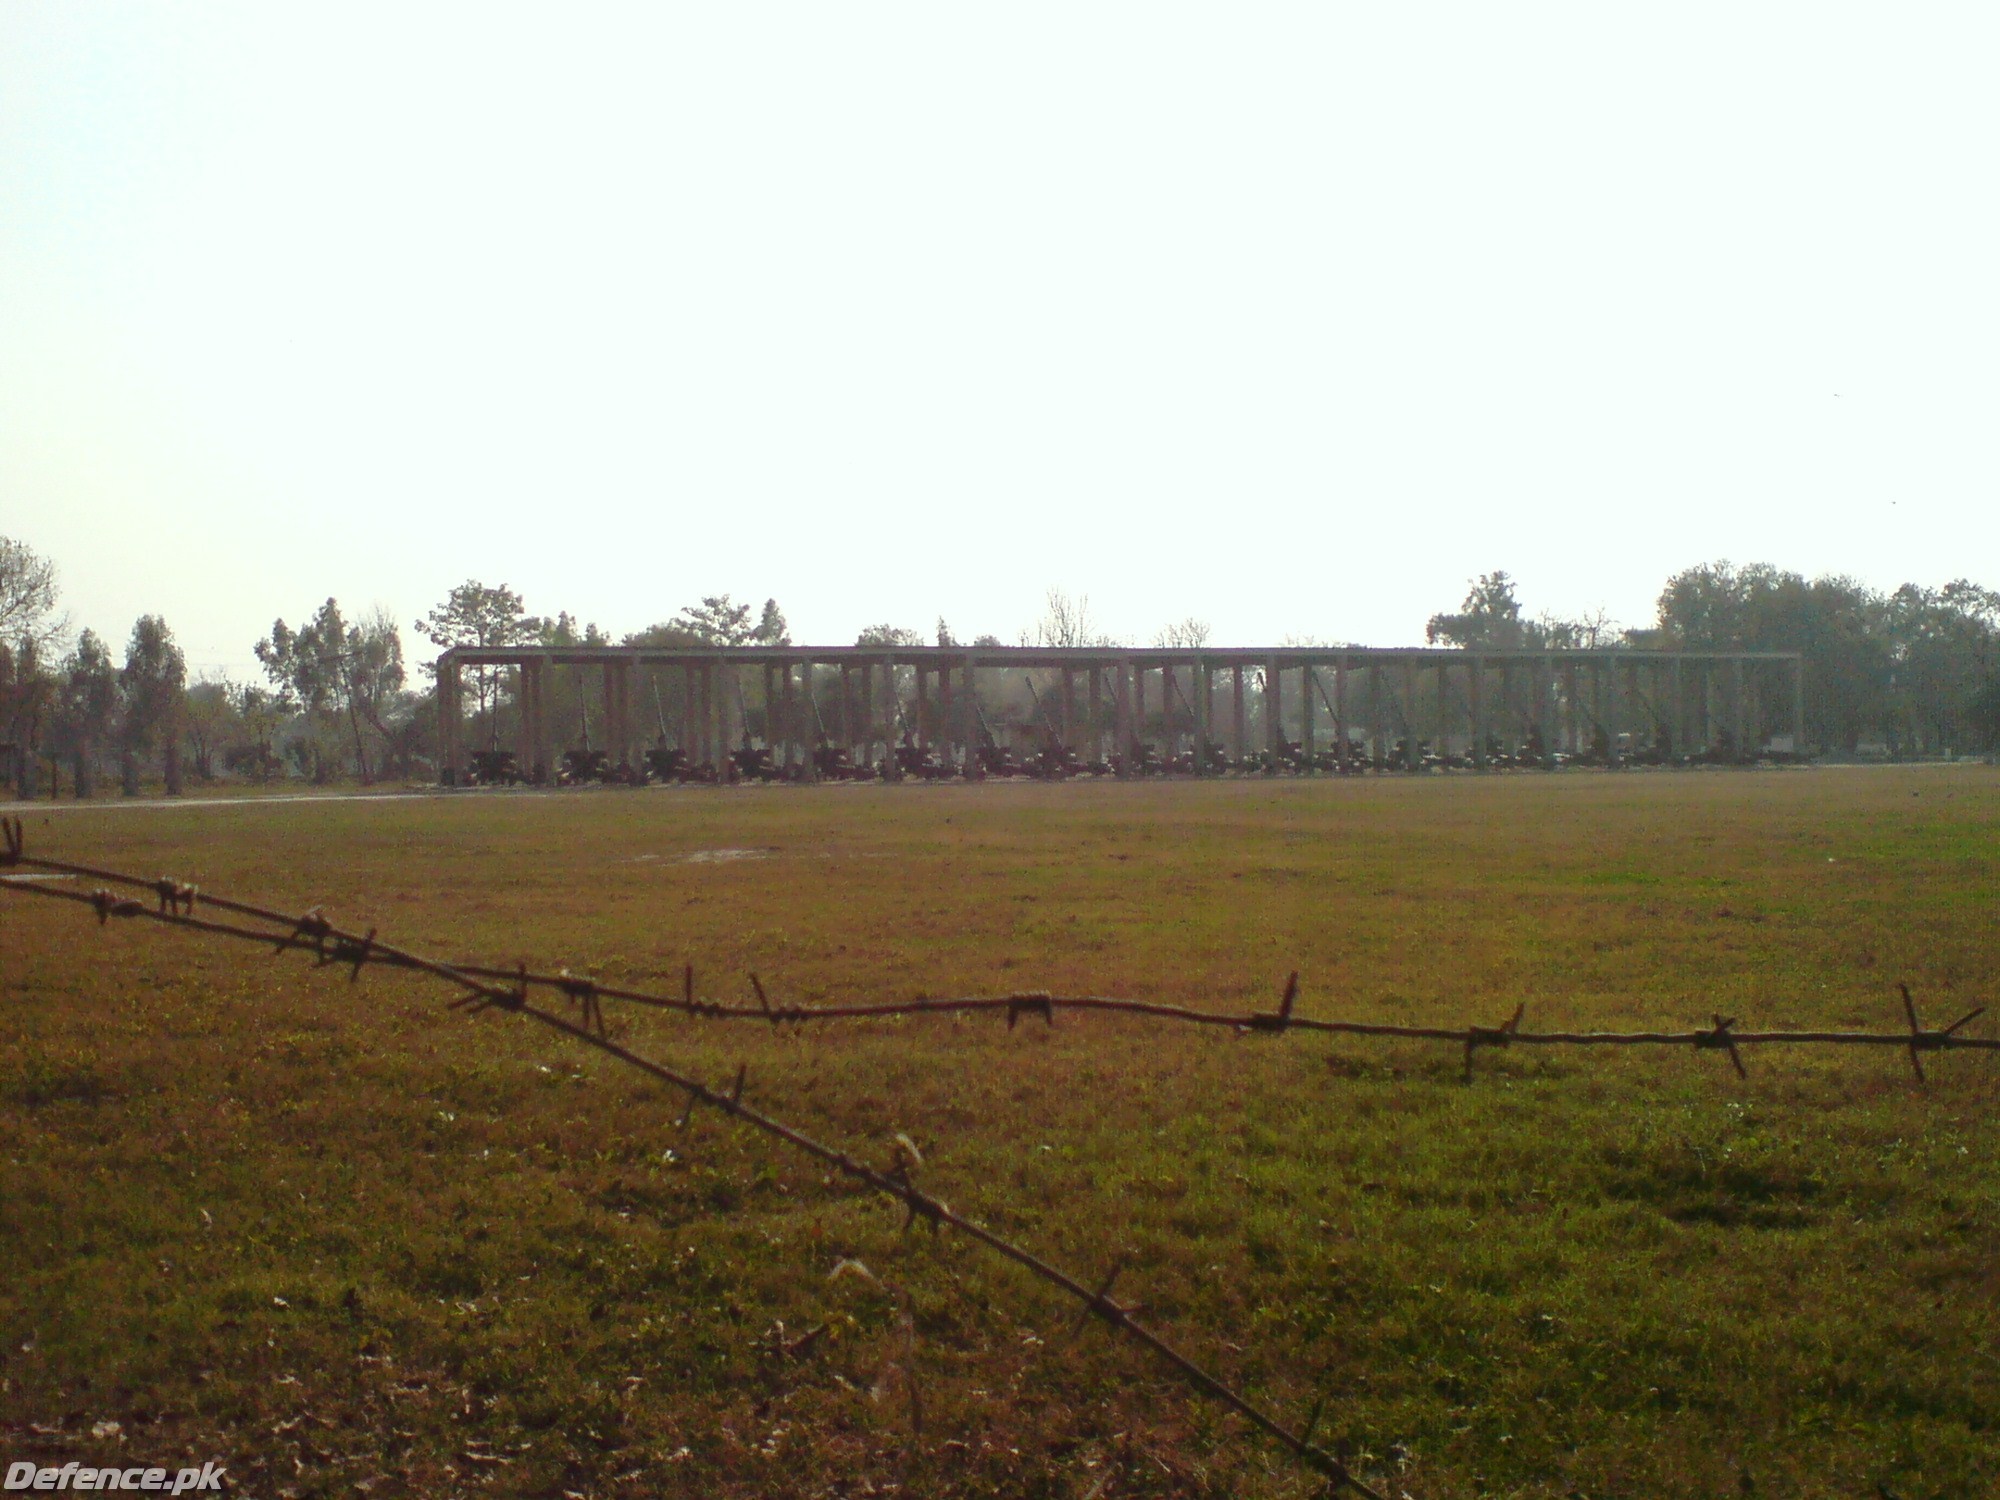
(333, 946)
(589, 994)
(487, 987)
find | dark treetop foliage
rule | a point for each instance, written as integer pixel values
(151, 683)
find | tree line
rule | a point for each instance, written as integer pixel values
(1916, 669)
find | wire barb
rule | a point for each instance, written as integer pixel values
(354, 953)
(1918, 1040)
(314, 926)
(1281, 1018)
(1100, 1304)
(1030, 1003)
(109, 906)
(584, 993)
(1720, 1037)
(1492, 1036)
(175, 898)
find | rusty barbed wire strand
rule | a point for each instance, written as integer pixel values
(1721, 1036)
(359, 950)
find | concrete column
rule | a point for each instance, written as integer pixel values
(1545, 703)
(884, 696)
(1442, 714)
(614, 716)
(625, 750)
(1601, 707)
(1208, 714)
(1169, 741)
(1308, 739)
(695, 715)
(729, 725)
(872, 705)
(1097, 713)
(708, 677)
(713, 751)
(451, 726)
(787, 717)
(1068, 709)
(859, 747)
(882, 707)
(1760, 680)
(1411, 761)
(1475, 697)
(893, 714)
(608, 709)
(975, 768)
(1138, 705)
(1799, 705)
(545, 740)
(1678, 720)
(1274, 714)
(1378, 752)
(947, 739)
(1573, 710)
(1340, 705)
(1121, 704)
(524, 737)
(811, 717)
(1739, 726)
(1204, 715)
(1239, 730)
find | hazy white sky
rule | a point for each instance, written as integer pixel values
(1289, 318)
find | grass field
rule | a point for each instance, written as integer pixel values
(352, 1244)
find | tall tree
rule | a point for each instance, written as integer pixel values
(1065, 623)
(91, 691)
(771, 628)
(344, 671)
(28, 693)
(89, 703)
(1839, 625)
(1983, 713)
(717, 621)
(209, 719)
(30, 633)
(262, 715)
(1489, 617)
(27, 596)
(888, 635)
(1189, 634)
(475, 615)
(151, 685)
(1943, 644)
(371, 664)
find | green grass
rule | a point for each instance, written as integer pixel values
(343, 1240)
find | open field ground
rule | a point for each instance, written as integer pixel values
(350, 1243)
